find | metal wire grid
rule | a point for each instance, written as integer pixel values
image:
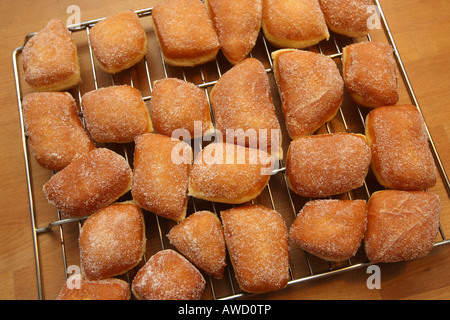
(233, 291)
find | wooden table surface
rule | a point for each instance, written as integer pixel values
(418, 28)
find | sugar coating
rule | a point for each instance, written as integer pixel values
(257, 242)
(167, 275)
(402, 225)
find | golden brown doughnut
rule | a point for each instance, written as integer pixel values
(330, 229)
(293, 23)
(229, 173)
(78, 287)
(50, 59)
(311, 89)
(243, 109)
(178, 104)
(89, 184)
(185, 32)
(112, 241)
(200, 239)
(161, 175)
(237, 24)
(116, 114)
(168, 275)
(257, 242)
(402, 225)
(54, 129)
(118, 42)
(401, 155)
(370, 74)
(323, 165)
(347, 17)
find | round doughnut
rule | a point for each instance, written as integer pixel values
(180, 105)
(200, 239)
(112, 241)
(295, 24)
(347, 17)
(370, 74)
(402, 225)
(89, 183)
(401, 155)
(167, 275)
(323, 165)
(330, 229)
(243, 110)
(50, 59)
(78, 287)
(257, 242)
(118, 42)
(311, 89)
(54, 129)
(237, 24)
(116, 114)
(185, 32)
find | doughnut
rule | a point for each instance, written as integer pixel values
(50, 59)
(401, 155)
(89, 183)
(330, 229)
(112, 241)
(200, 239)
(78, 287)
(370, 74)
(347, 17)
(294, 24)
(323, 165)
(185, 32)
(237, 24)
(54, 129)
(161, 171)
(178, 105)
(243, 110)
(116, 114)
(228, 173)
(118, 42)
(257, 242)
(167, 275)
(311, 89)
(402, 225)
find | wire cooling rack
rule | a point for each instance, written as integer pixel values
(303, 267)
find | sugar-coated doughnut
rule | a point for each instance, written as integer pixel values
(323, 165)
(167, 275)
(50, 59)
(311, 89)
(200, 239)
(54, 129)
(118, 42)
(243, 110)
(402, 225)
(178, 104)
(161, 175)
(116, 114)
(78, 287)
(370, 74)
(89, 183)
(257, 242)
(295, 24)
(112, 241)
(185, 32)
(228, 173)
(237, 24)
(330, 229)
(347, 17)
(401, 155)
